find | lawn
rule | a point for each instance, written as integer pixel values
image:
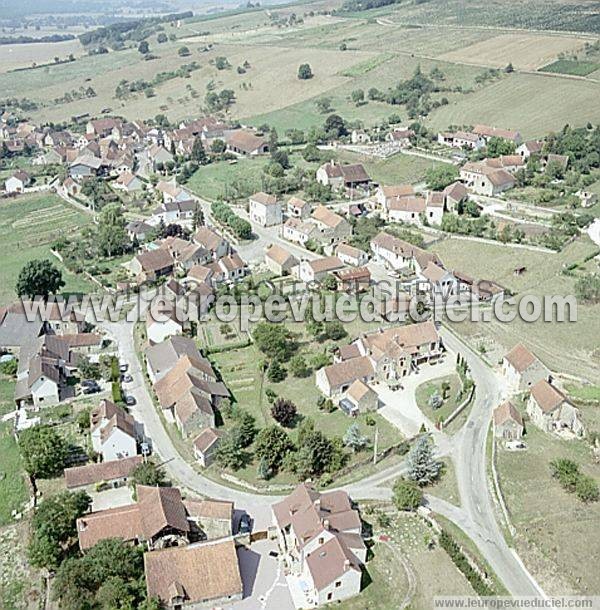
(569, 66)
(28, 226)
(558, 536)
(453, 397)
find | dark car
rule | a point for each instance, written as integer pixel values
(90, 383)
(245, 524)
(90, 389)
(130, 401)
(127, 378)
(123, 367)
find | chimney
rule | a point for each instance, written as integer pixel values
(326, 524)
(346, 564)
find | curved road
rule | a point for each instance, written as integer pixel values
(475, 516)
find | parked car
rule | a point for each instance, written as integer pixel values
(90, 383)
(126, 378)
(123, 367)
(130, 401)
(245, 524)
(90, 389)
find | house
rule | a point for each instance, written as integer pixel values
(245, 142)
(531, 147)
(85, 166)
(440, 281)
(175, 212)
(188, 396)
(205, 445)
(355, 280)
(217, 245)
(171, 192)
(549, 409)
(487, 132)
(200, 274)
(299, 231)
(400, 137)
(479, 177)
(214, 518)
(138, 230)
(320, 539)
(150, 265)
(511, 163)
(562, 161)
(168, 322)
(332, 228)
(265, 210)
(359, 136)
(349, 255)
(359, 398)
(162, 357)
(159, 156)
(128, 182)
(230, 268)
(18, 182)
(111, 474)
(406, 209)
(587, 198)
(340, 176)
(279, 260)
(481, 290)
(185, 253)
(70, 187)
(399, 255)
(40, 381)
(461, 139)
(522, 369)
(196, 576)
(298, 208)
(102, 127)
(318, 269)
(335, 379)
(113, 431)
(508, 423)
(454, 195)
(85, 344)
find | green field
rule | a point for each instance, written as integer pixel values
(568, 66)
(28, 226)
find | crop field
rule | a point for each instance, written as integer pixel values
(573, 67)
(525, 51)
(532, 103)
(24, 55)
(28, 226)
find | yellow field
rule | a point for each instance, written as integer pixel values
(524, 51)
(23, 55)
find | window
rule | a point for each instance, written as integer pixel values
(338, 584)
(321, 540)
(329, 596)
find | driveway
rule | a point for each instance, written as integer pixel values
(264, 581)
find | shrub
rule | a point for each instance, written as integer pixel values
(407, 495)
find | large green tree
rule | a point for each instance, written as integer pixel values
(423, 468)
(407, 495)
(438, 178)
(275, 341)
(148, 473)
(44, 451)
(272, 445)
(112, 235)
(39, 278)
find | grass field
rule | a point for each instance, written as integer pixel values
(427, 389)
(526, 51)
(28, 226)
(568, 347)
(558, 536)
(24, 55)
(567, 66)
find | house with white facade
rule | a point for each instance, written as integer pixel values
(550, 410)
(265, 210)
(317, 270)
(349, 255)
(113, 432)
(298, 231)
(522, 369)
(18, 182)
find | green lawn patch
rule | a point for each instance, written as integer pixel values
(451, 399)
(571, 66)
(13, 490)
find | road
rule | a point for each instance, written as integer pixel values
(475, 516)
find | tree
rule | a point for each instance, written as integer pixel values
(438, 178)
(161, 38)
(272, 445)
(246, 427)
(87, 369)
(358, 96)
(509, 68)
(329, 282)
(39, 278)
(335, 126)
(53, 527)
(144, 47)
(276, 372)
(304, 72)
(275, 341)
(334, 330)
(354, 439)
(198, 153)
(44, 451)
(499, 146)
(423, 468)
(587, 489)
(316, 454)
(323, 105)
(407, 495)
(230, 453)
(148, 473)
(112, 235)
(218, 147)
(284, 412)
(183, 52)
(298, 366)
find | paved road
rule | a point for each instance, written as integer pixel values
(468, 448)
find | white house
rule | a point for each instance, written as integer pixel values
(349, 255)
(18, 182)
(298, 231)
(298, 208)
(265, 210)
(167, 323)
(113, 432)
(522, 369)
(461, 139)
(485, 180)
(549, 409)
(316, 270)
(128, 182)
